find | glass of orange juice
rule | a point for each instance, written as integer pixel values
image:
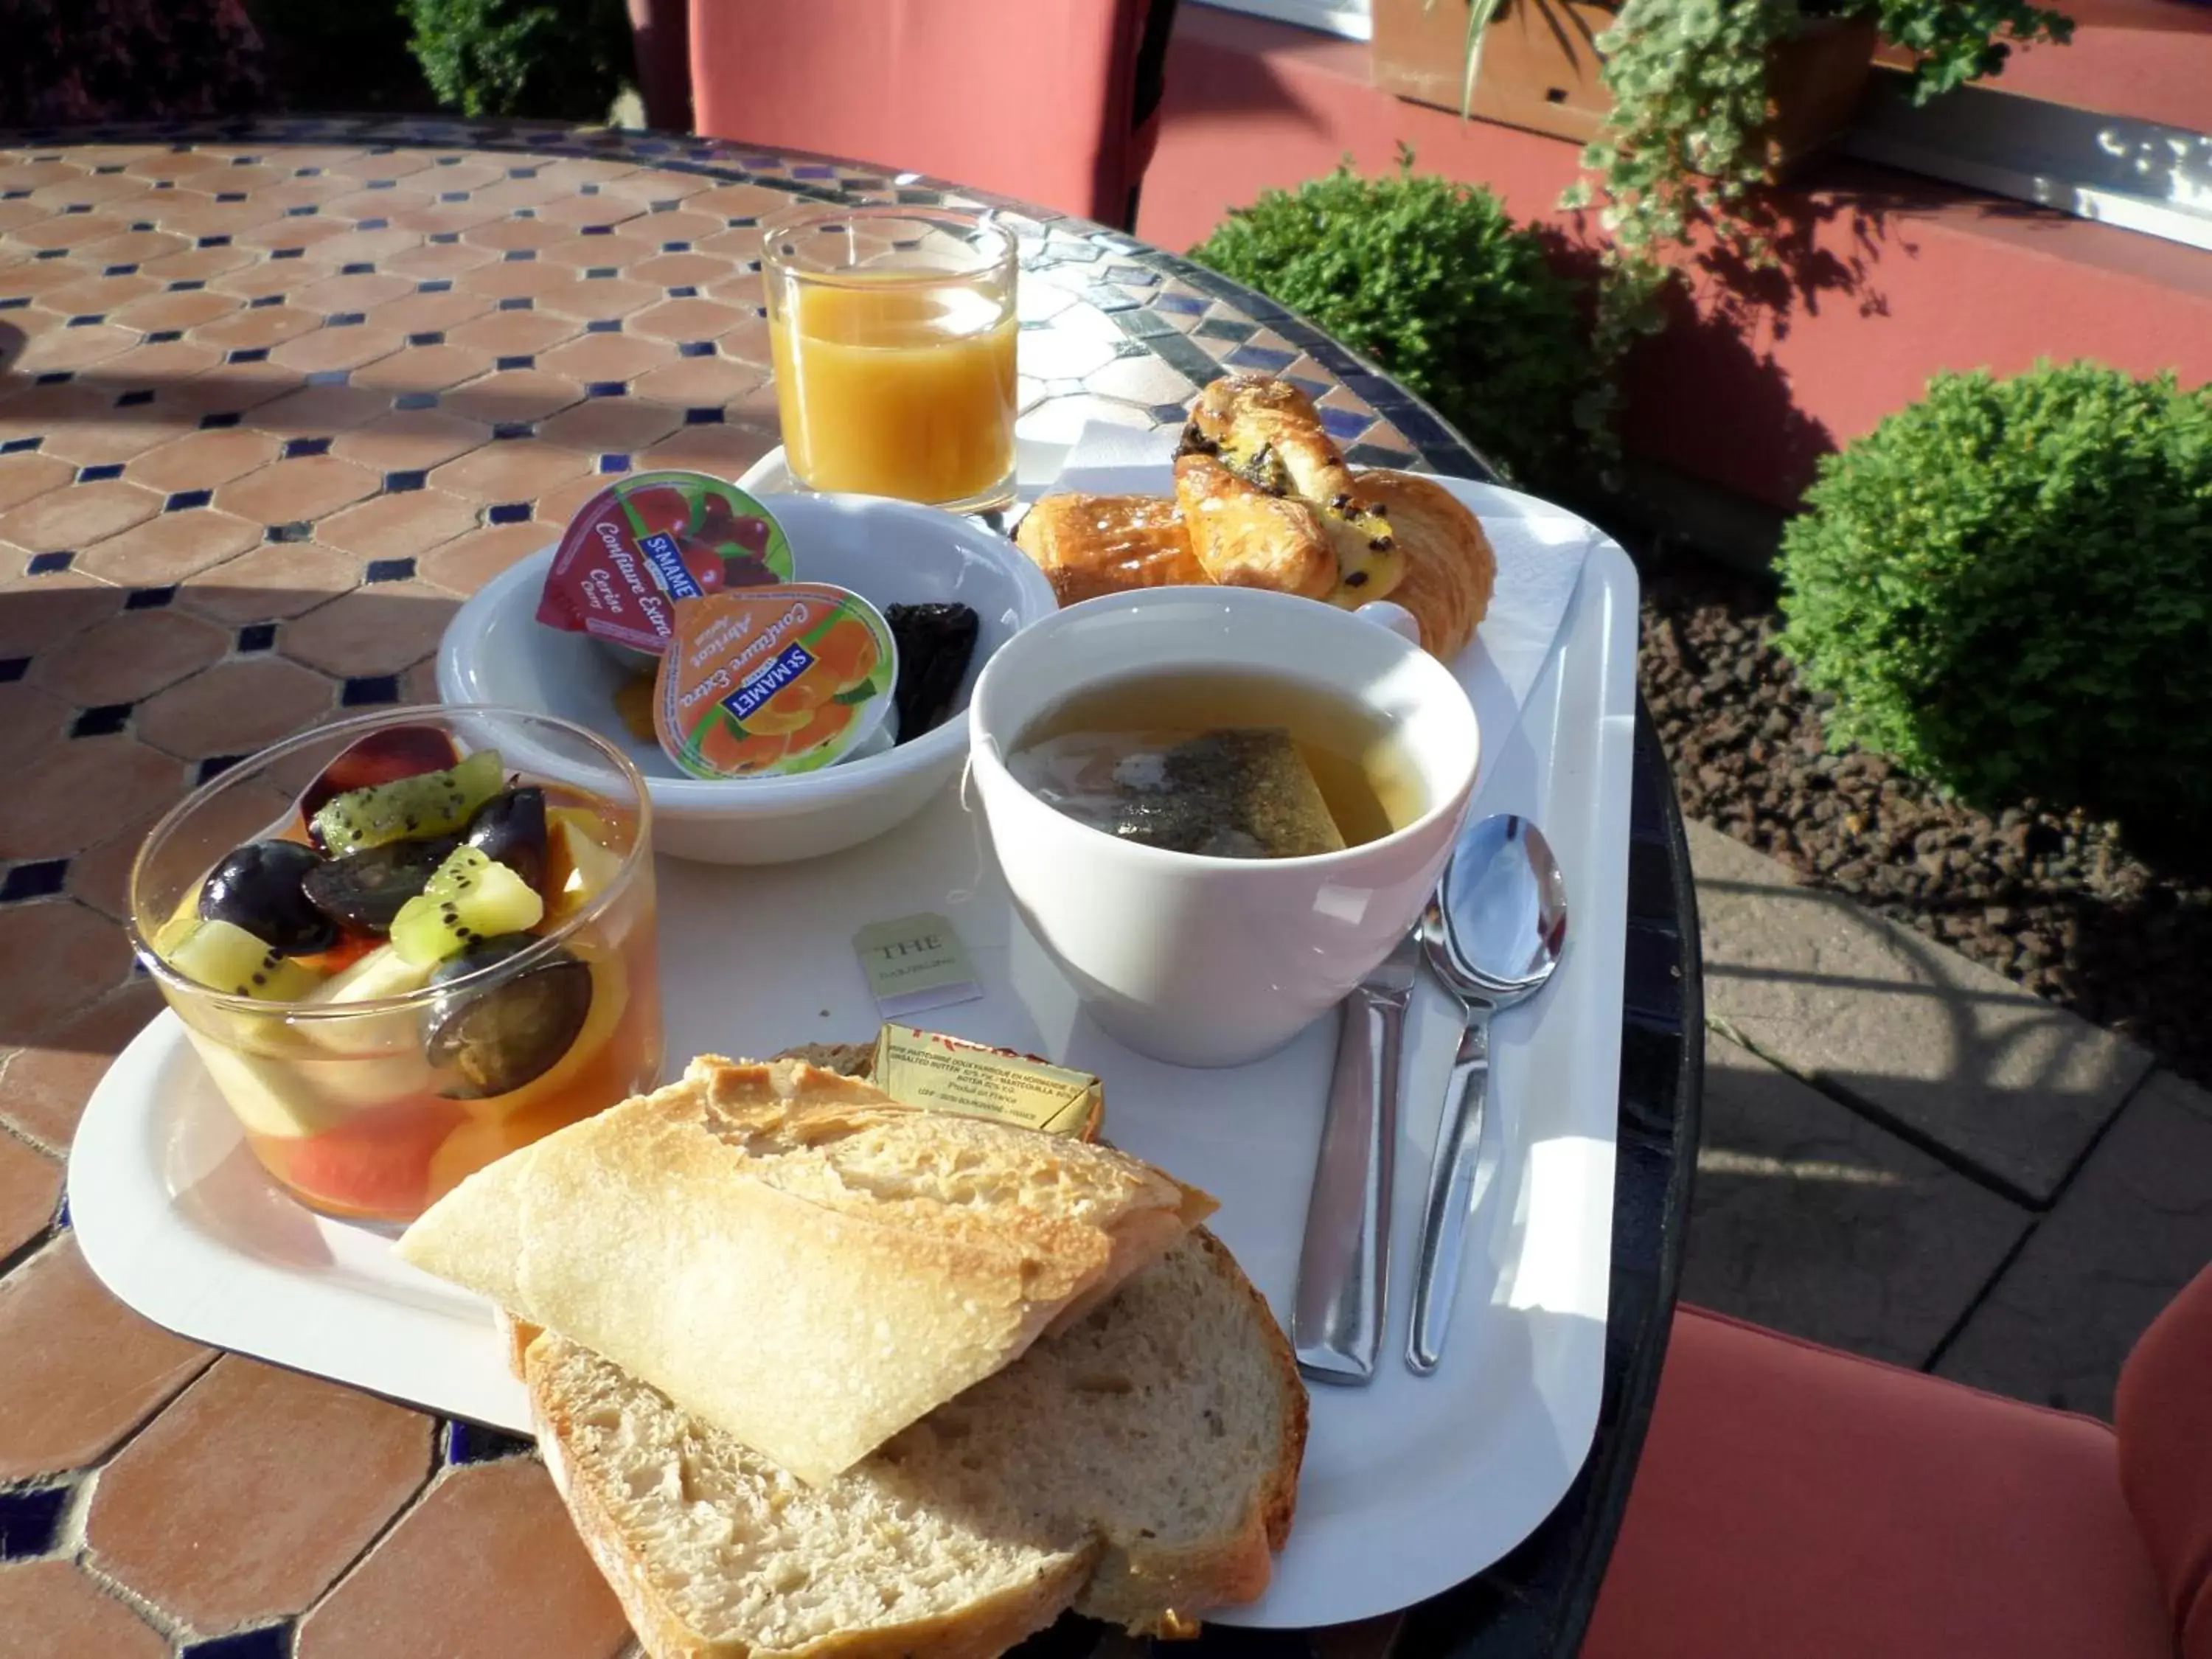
(893, 330)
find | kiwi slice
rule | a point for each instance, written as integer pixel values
(224, 956)
(470, 897)
(407, 809)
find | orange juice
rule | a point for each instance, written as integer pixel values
(894, 388)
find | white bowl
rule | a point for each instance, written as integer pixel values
(496, 651)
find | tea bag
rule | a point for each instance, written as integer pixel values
(1238, 793)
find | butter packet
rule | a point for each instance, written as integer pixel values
(951, 1074)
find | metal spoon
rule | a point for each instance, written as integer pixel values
(1492, 934)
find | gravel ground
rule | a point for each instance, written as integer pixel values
(2051, 902)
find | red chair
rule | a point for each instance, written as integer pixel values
(1796, 1503)
(1053, 101)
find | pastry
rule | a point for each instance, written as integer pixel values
(1450, 569)
(1087, 545)
(1268, 433)
(1247, 537)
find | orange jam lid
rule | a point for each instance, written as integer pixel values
(647, 541)
(767, 681)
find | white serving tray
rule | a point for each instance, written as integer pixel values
(1410, 1484)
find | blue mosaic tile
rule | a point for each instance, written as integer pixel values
(358, 267)
(606, 389)
(212, 242)
(521, 361)
(512, 429)
(52, 253)
(120, 270)
(164, 335)
(55, 377)
(1183, 305)
(472, 1443)
(522, 173)
(14, 668)
(24, 446)
(1266, 359)
(286, 253)
(597, 230)
(445, 238)
(396, 483)
(702, 418)
(346, 319)
(600, 273)
(150, 599)
(1375, 455)
(520, 256)
(186, 285)
(696, 348)
(263, 302)
(183, 501)
(103, 721)
(329, 377)
(683, 291)
(219, 421)
(256, 636)
(49, 564)
(381, 184)
(388, 570)
(676, 247)
(31, 1522)
(1345, 425)
(416, 400)
(133, 399)
(94, 474)
(298, 531)
(428, 338)
(517, 302)
(269, 1642)
(588, 190)
(741, 221)
(452, 196)
(369, 690)
(215, 766)
(295, 448)
(372, 224)
(507, 512)
(607, 464)
(435, 285)
(307, 212)
(15, 302)
(603, 325)
(77, 207)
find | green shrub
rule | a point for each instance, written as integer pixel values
(2007, 587)
(555, 59)
(1435, 282)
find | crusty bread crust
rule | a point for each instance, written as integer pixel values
(889, 1257)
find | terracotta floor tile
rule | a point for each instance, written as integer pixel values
(509, 235)
(197, 263)
(443, 259)
(677, 225)
(75, 230)
(652, 186)
(389, 164)
(516, 333)
(289, 492)
(257, 329)
(319, 411)
(685, 319)
(37, 613)
(410, 441)
(601, 209)
(144, 367)
(22, 477)
(188, 310)
(723, 451)
(254, 1490)
(356, 293)
(49, 1610)
(43, 1088)
(620, 425)
(516, 470)
(547, 285)
(27, 278)
(130, 657)
(375, 629)
(94, 295)
(73, 794)
(357, 205)
(602, 297)
(683, 269)
(100, 875)
(514, 394)
(401, 526)
(97, 442)
(30, 721)
(602, 357)
(698, 383)
(555, 508)
(78, 516)
(30, 1188)
(304, 234)
(327, 349)
(425, 368)
(203, 460)
(741, 244)
(508, 194)
(352, 247)
(78, 1370)
(427, 314)
(446, 217)
(167, 548)
(56, 957)
(748, 343)
(236, 707)
(135, 247)
(487, 1566)
(206, 217)
(419, 684)
(463, 566)
(277, 579)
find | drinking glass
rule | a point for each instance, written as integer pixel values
(893, 331)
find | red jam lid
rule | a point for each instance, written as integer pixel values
(652, 538)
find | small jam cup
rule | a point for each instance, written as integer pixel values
(340, 1101)
(893, 331)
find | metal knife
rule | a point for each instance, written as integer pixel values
(1344, 1270)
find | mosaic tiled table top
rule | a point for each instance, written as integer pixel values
(274, 398)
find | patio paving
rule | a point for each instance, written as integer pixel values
(1908, 1157)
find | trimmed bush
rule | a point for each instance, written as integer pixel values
(1434, 281)
(2007, 588)
(562, 60)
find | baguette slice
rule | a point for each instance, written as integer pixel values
(1139, 1467)
(796, 1258)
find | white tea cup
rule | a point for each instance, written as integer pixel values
(1197, 960)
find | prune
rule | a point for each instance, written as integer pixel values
(936, 643)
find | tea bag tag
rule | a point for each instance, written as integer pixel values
(915, 962)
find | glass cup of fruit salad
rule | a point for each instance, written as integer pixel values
(406, 945)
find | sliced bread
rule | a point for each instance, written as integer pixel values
(794, 1257)
(1139, 1466)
